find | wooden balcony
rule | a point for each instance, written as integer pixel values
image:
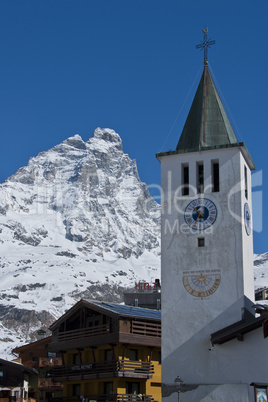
(83, 337)
(107, 398)
(50, 361)
(116, 368)
(129, 331)
(13, 398)
(146, 328)
(140, 332)
(47, 383)
(83, 333)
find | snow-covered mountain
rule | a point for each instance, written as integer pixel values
(261, 271)
(75, 222)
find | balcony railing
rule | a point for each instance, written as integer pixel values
(107, 398)
(50, 361)
(146, 328)
(140, 328)
(13, 398)
(83, 333)
(47, 383)
(115, 367)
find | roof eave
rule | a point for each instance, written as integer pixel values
(106, 309)
(26, 369)
(241, 145)
(87, 303)
(239, 328)
(101, 309)
(27, 345)
(247, 157)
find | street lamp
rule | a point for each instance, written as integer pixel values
(178, 382)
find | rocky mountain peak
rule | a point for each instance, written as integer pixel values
(75, 222)
(107, 135)
(105, 141)
(75, 142)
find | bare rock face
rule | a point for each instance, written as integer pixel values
(77, 221)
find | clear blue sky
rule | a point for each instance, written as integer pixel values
(68, 67)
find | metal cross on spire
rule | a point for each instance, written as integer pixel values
(205, 45)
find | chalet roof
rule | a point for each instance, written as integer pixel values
(35, 343)
(112, 310)
(238, 329)
(29, 370)
(130, 311)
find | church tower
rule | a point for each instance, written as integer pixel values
(207, 248)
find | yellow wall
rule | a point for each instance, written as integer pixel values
(92, 387)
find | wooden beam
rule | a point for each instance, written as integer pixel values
(62, 357)
(112, 346)
(124, 352)
(240, 337)
(265, 328)
(93, 354)
(151, 354)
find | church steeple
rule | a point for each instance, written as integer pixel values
(207, 124)
(207, 271)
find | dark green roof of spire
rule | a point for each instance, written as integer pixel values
(207, 124)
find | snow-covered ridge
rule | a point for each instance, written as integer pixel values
(75, 222)
(261, 270)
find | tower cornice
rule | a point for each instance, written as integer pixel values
(240, 145)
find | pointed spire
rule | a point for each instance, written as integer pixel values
(207, 124)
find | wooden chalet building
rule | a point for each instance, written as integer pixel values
(110, 352)
(36, 355)
(14, 381)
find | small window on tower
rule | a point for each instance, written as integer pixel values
(246, 183)
(185, 179)
(201, 242)
(215, 176)
(200, 177)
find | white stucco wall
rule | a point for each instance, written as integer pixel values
(236, 364)
(188, 321)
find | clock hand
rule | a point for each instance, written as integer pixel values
(199, 212)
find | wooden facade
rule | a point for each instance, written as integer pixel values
(14, 381)
(108, 352)
(36, 355)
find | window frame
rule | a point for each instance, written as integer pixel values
(215, 176)
(200, 177)
(185, 175)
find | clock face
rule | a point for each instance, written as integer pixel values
(200, 213)
(201, 283)
(247, 219)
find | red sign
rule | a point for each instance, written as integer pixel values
(145, 286)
